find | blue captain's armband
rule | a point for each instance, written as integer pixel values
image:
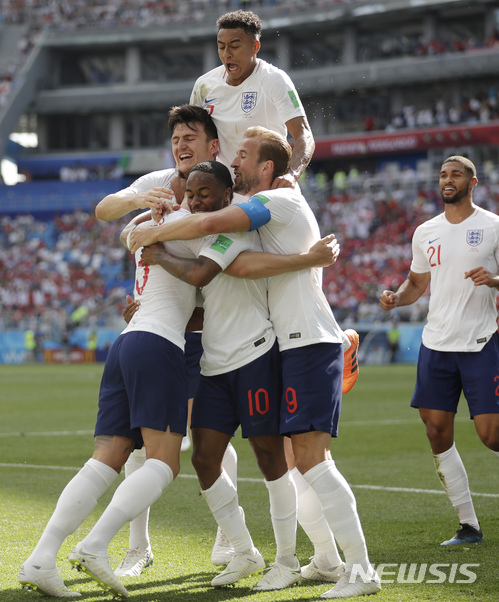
(257, 212)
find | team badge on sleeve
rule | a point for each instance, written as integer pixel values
(248, 101)
(474, 237)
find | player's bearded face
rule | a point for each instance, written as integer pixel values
(244, 183)
(458, 196)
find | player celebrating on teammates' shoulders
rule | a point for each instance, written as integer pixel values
(246, 90)
(458, 252)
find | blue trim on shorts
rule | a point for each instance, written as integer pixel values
(312, 383)
(257, 212)
(443, 375)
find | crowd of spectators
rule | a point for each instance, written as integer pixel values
(77, 14)
(51, 269)
(374, 217)
(480, 108)
(391, 44)
(80, 172)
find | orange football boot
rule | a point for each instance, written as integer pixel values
(351, 366)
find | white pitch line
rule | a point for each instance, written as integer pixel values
(252, 480)
(48, 434)
(387, 422)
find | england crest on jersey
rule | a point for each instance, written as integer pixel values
(248, 101)
(474, 237)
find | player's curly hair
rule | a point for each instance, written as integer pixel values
(219, 170)
(273, 147)
(468, 165)
(191, 115)
(244, 19)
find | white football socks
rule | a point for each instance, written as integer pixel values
(229, 463)
(222, 500)
(340, 510)
(139, 526)
(75, 503)
(136, 493)
(452, 474)
(312, 521)
(283, 508)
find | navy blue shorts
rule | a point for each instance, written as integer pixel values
(144, 384)
(249, 397)
(443, 375)
(312, 382)
(193, 353)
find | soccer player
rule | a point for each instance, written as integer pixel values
(194, 139)
(458, 252)
(139, 405)
(246, 90)
(309, 338)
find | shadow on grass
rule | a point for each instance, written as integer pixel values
(194, 587)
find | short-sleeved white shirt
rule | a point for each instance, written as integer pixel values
(237, 327)
(166, 303)
(267, 98)
(461, 316)
(156, 179)
(298, 307)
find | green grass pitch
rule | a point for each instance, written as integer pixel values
(47, 416)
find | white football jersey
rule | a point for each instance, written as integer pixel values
(461, 316)
(237, 327)
(156, 179)
(166, 303)
(299, 310)
(267, 98)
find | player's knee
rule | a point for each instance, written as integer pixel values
(305, 462)
(439, 436)
(270, 457)
(201, 460)
(491, 440)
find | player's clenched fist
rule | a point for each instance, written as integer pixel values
(388, 300)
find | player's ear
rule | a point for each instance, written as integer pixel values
(256, 47)
(268, 167)
(214, 146)
(226, 197)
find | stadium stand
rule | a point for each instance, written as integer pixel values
(390, 89)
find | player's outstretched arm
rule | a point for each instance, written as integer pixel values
(408, 292)
(198, 272)
(230, 219)
(481, 276)
(120, 203)
(254, 265)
